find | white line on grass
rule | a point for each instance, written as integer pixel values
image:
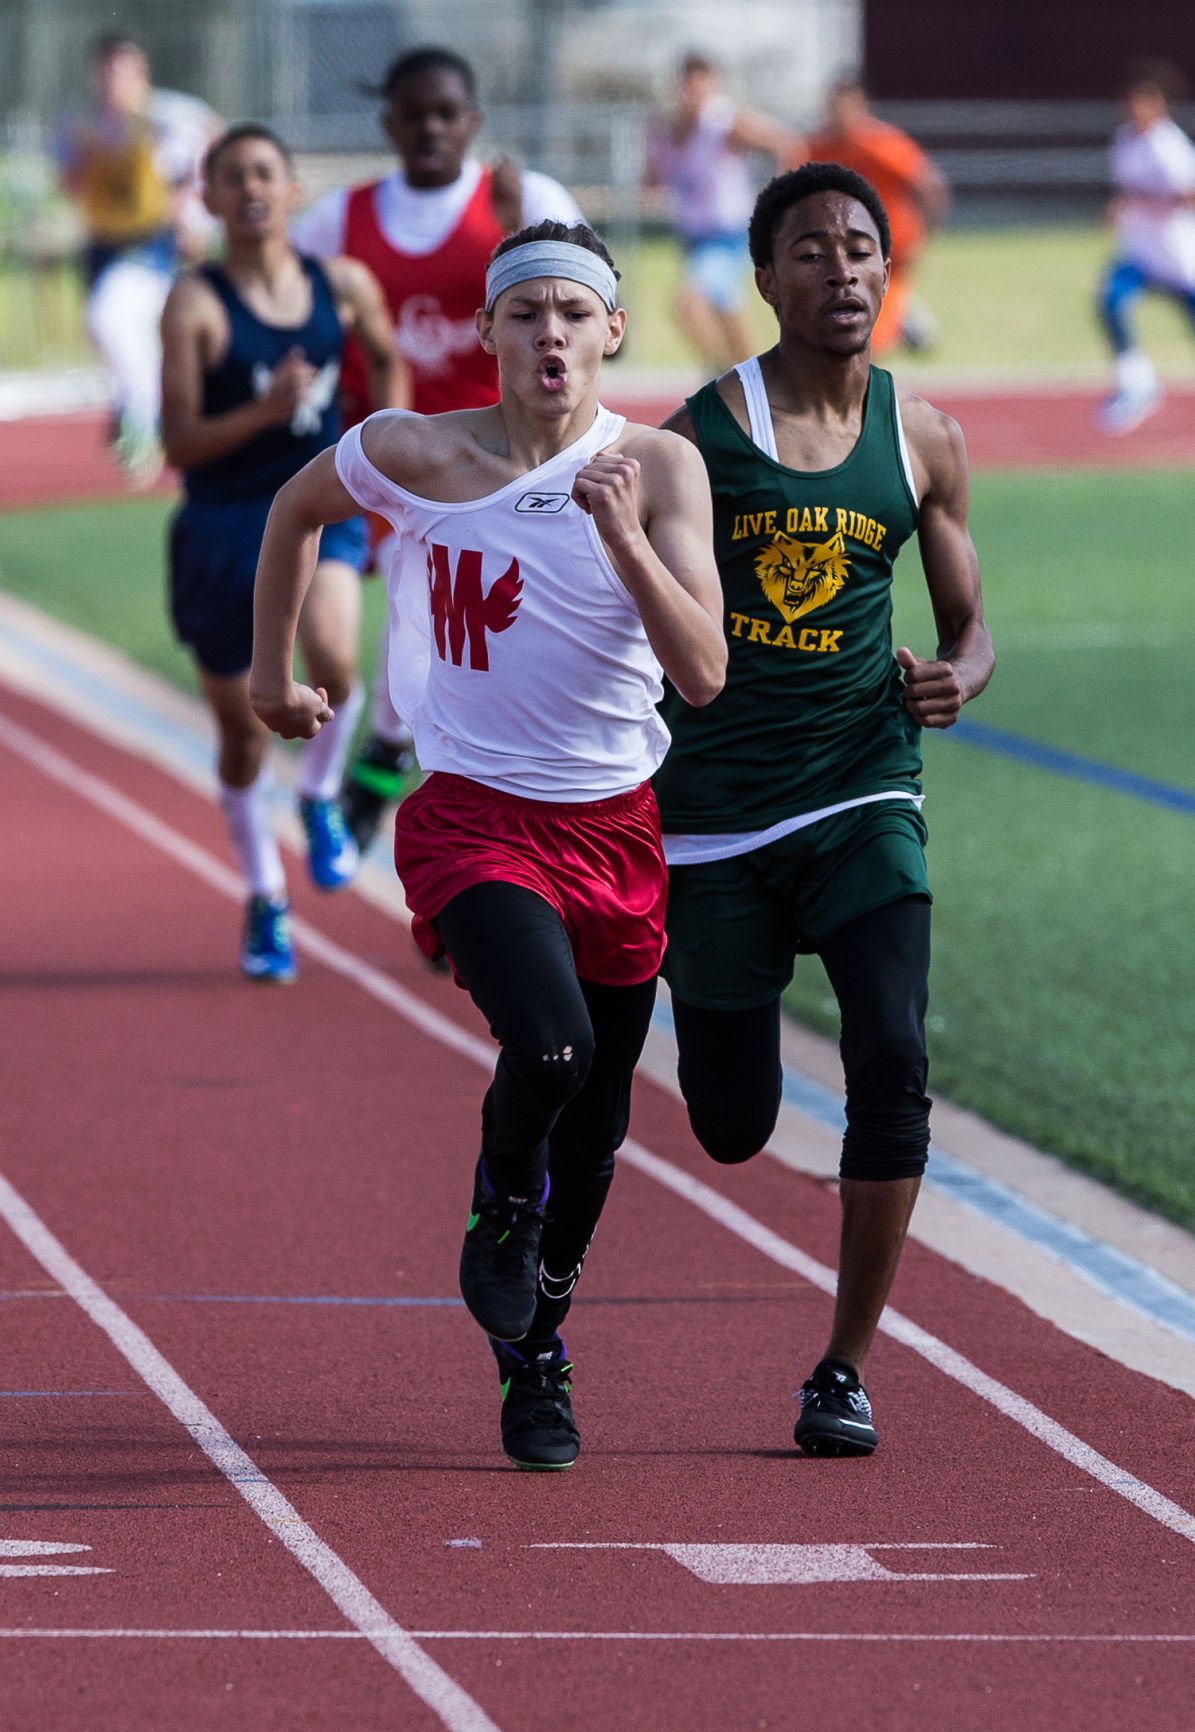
(718, 1208)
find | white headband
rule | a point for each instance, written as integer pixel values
(551, 259)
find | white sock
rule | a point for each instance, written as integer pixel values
(122, 319)
(246, 810)
(1135, 372)
(321, 768)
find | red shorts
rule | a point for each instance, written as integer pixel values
(599, 865)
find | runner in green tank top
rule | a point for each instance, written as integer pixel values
(791, 804)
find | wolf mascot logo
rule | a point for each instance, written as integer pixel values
(797, 576)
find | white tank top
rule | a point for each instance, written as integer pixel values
(710, 181)
(517, 657)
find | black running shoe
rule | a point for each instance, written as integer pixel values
(500, 1259)
(539, 1432)
(835, 1412)
(377, 777)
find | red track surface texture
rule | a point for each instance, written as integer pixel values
(62, 456)
(224, 1160)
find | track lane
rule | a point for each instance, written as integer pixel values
(45, 459)
(685, 1435)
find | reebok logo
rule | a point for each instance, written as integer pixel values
(543, 503)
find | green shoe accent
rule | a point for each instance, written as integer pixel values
(505, 1386)
(386, 784)
(472, 1222)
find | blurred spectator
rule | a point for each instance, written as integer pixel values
(131, 160)
(426, 232)
(1153, 213)
(699, 153)
(911, 188)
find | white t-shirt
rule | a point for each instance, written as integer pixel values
(420, 219)
(1159, 162)
(536, 676)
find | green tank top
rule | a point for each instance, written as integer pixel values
(812, 712)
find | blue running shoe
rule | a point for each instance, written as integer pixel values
(333, 857)
(267, 953)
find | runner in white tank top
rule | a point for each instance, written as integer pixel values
(557, 559)
(531, 670)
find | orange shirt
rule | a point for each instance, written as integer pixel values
(895, 166)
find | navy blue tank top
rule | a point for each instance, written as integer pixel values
(259, 467)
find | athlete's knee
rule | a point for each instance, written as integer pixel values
(887, 1110)
(728, 1067)
(334, 672)
(338, 683)
(242, 755)
(554, 1067)
(732, 1131)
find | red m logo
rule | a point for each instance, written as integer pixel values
(460, 611)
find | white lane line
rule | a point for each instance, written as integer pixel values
(101, 691)
(945, 1359)
(442, 1694)
(67, 1635)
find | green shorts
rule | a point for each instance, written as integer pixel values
(736, 926)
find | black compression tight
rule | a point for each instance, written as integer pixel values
(561, 1095)
(729, 1060)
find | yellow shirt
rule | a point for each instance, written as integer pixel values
(121, 190)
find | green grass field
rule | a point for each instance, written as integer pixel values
(1064, 956)
(1063, 952)
(1006, 299)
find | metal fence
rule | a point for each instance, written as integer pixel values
(566, 85)
(303, 63)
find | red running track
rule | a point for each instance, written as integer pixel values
(1039, 430)
(63, 457)
(270, 1185)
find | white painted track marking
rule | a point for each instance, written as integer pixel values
(442, 1694)
(944, 1358)
(775, 1566)
(37, 1548)
(45, 1549)
(1143, 1319)
(51, 1570)
(1030, 1637)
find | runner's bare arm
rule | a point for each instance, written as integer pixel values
(754, 131)
(651, 504)
(506, 194)
(369, 318)
(285, 566)
(193, 333)
(937, 689)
